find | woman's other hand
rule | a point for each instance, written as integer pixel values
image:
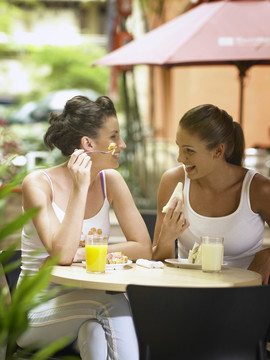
(261, 264)
(80, 255)
(79, 166)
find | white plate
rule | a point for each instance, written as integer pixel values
(183, 263)
(115, 266)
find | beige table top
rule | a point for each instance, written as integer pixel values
(117, 280)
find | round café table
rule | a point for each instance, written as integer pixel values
(117, 280)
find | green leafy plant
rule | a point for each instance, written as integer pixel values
(27, 295)
(8, 146)
(70, 67)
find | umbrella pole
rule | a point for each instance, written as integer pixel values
(241, 77)
(242, 67)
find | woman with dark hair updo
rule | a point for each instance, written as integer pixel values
(220, 196)
(74, 198)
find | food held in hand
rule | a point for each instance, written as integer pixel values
(116, 258)
(178, 193)
(195, 255)
(112, 147)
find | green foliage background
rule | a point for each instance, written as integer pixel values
(65, 68)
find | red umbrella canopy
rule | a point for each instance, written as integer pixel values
(212, 33)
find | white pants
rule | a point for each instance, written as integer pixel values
(101, 323)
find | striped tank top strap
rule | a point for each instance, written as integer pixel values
(103, 183)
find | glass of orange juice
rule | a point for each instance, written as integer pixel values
(95, 253)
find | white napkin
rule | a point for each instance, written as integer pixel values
(150, 264)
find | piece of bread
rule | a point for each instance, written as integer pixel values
(177, 193)
(116, 258)
(195, 255)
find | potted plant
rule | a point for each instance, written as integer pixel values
(14, 310)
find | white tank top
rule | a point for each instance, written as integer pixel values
(242, 230)
(30, 241)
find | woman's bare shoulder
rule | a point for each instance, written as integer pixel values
(168, 183)
(112, 173)
(43, 175)
(260, 196)
(34, 176)
(113, 177)
(114, 182)
(35, 180)
(260, 186)
(174, 175)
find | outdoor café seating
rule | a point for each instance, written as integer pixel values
(193, 322)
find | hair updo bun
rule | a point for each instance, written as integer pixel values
(80, 117)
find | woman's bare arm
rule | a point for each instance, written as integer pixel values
(170, 225)
(260, 203)
(138, 244)
(59, 238)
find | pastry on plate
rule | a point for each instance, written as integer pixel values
(116, 258)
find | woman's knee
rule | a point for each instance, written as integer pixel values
(92, 343)
(91, 329)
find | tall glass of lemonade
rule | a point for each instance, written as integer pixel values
(95, 253)
(212, 253)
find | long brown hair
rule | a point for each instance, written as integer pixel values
(215, 126)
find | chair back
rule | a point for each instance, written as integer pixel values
(201, 323)
(149, 218)
(13, 275)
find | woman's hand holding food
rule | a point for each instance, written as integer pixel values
(79, 166)
(64, 236)
(174, 222)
